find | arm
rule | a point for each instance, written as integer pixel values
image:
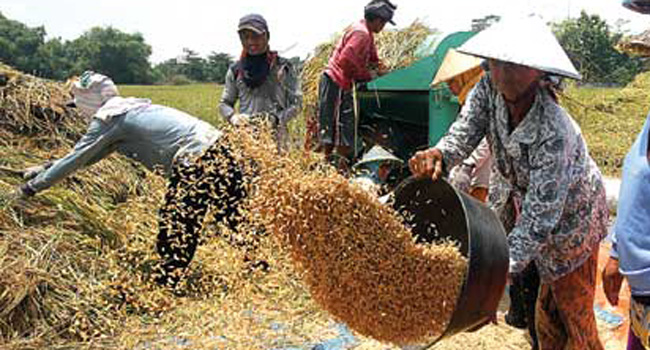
(292, 94)
(97, 143)
(470, 128)
(480, 155)
(611, 275)
(376, 63)
(543, 203)
(229, 96)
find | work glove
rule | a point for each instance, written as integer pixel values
(240, 119)
(461, 177)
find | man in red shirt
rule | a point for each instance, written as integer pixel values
(353, 60)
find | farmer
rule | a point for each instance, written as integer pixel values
(461, 73)
(545, 174)
(265, 84)
(182, 146)
(354, 60)
(373, 169)
(630, 253)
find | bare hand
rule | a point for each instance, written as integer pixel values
(427, 163)
(612, 281)
(240, 119)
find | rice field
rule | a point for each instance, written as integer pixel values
(610, 118)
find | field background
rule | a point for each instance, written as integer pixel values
(610, 118)
(75, 257)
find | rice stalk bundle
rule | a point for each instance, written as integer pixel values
(636, 45)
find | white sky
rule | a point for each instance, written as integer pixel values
(296, 26)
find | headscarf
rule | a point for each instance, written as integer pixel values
(91, 92)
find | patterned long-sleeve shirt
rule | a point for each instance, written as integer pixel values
(544, 168)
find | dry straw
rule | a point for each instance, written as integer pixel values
(77, 259)
(638, 45)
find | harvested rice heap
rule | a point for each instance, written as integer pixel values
(356, 255)
(77, 259)
(396, 48)
(35, 107)
(638, 45)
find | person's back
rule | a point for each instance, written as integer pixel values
(157, 135)
(352, 56)
(151, 134)
(354, 60)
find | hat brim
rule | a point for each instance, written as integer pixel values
(251, 28)
(640, 6)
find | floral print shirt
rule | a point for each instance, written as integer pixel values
(545, 187)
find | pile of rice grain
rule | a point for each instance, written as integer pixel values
(357, 257)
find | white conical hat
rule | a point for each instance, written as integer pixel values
(378, 154)
(526, 41)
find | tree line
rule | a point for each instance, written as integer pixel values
(122, 56)
(589, 41)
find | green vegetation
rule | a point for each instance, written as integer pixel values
(122, 56)
(199, 100)
(589, 41)
(610, 119)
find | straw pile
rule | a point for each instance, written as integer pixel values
(357, 257)
(77, 259)
(638, 45)
(56, 249)
(395, 48)
(35, 107)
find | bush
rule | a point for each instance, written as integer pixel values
(179, 79)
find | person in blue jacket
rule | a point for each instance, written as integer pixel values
(630, 253)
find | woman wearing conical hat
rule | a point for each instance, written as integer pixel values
(544, 171)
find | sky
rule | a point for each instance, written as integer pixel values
(296, 26)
